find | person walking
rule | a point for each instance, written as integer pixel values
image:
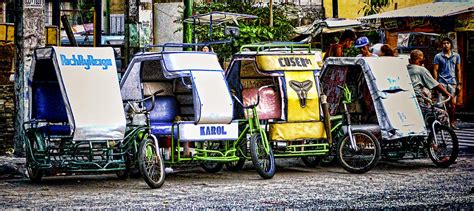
(345, 42)
(447, 71)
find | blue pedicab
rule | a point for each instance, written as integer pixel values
(292, 105)
(385, 103)
(76, 121)
(193, 117)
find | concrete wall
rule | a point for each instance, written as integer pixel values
(350, 8)
(164, 27)
(7, 116)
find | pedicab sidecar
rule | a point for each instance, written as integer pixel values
(76, 120)
(385, 104)
(193, 117)
(290, 101)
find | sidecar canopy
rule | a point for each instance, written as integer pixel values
(76, 91)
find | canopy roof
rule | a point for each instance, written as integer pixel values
(87, 79)
(436, 10)
(388, 81)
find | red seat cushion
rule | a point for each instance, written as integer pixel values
(270, 102)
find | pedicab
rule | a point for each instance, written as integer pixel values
(385, 104)
(193, 117)
(290, 105)
(76, 121)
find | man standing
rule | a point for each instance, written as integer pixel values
(423, 83)
(447, 70)
(362, 43)
(345, 42)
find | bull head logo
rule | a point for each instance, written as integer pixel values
(301, 88)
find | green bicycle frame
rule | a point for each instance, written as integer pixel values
(252, 127)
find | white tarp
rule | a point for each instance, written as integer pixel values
(90, 87)
(179, 64)
(397, 96)
(212, 99)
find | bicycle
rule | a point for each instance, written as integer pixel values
(442, 142)
(357, 150)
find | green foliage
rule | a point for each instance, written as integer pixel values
(86, 13)
(374, 6)
(251, 30)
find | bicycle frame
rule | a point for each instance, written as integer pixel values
(253, 126)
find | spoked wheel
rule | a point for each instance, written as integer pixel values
(242, 151)
(321, 160)
(123, 174)
(446, 150)
(263, 161)
(362, 159)
(209, 166)
(235, 165)
(311, 161)
(212, 167)
(34, 174)
(151, 163)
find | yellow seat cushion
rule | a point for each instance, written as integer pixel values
(297, 130)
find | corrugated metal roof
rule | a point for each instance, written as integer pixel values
(437, 9)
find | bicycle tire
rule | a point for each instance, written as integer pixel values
(441, 161)
(151, 164)
(345, 153)
(263, 162)
(235, 165)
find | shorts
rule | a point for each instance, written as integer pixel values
(442, 115)
(451, 88)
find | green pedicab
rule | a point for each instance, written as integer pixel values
(292, 105)
(76, 121)
(193, 117)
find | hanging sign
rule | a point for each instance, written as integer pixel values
(34, 3)
(465, 22)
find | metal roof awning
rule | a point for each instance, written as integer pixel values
(328, 26)
(435, 10)
(217, 18)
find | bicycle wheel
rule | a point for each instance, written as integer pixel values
(210, 166)
(445, 152)
(364, 158)
(151, 164)
(34, 174)
(329, 159)
(235, 165)
(311, 161)
(123, 174)
(264, 162)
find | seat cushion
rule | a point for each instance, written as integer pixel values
(288, 131)
(48, 103)
(63, 130)
(165, 110)
(269, 106)
(162, 129)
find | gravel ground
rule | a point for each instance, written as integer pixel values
(402, 184)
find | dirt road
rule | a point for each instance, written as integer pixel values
(403, 184)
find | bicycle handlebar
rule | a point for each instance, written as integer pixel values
(438, 103)
(258, 97)
(136, 110)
